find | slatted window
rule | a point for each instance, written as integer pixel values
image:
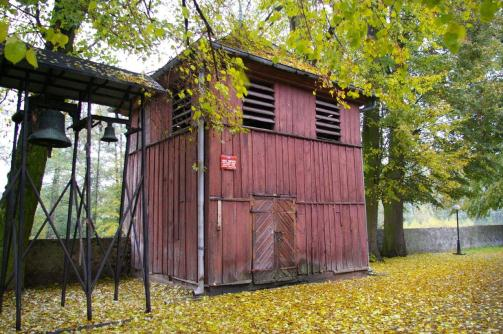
(258, 106)
(327, 119)
(182, 111)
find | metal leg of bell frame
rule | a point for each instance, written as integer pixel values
(69, 218)
(18, 249)
(89, 224)
(146, 271)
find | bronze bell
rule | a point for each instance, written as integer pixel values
(109, 135)
(51, 130)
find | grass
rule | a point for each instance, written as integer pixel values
(438, 292)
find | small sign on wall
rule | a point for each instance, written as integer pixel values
(228, 162)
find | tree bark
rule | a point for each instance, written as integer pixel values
(394, 240)
(371, 141)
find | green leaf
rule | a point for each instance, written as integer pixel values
(92, 6)
(159, 32)
(487, 10)
(4, 30)
(454, 36)
(185, 12)
(431, 3)
(15, 50)
(31, 57)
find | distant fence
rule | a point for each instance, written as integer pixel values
(422, 240)
(44, 263)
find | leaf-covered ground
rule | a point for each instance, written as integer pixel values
(420, 293)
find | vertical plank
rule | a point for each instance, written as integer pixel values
(214, 173)
(259, 168)
(363, 236)
(293, 167)
(246, 164)
(346, 237)
(165, 207)
(227, 175)
(229, 242)
(182, 204)
(237, 174)
(316, 239)
(170, 205)
(279, 166)
(215, 246)
(300, 236)
(309, 237)
(343, 174)
(351, 174)
(150, 202)
(243, 244)
(191, 209)
(157, 222)
(299, 170)
(176, 206)
(270, 164)
(308, 175)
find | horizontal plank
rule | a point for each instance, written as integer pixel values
(258, 86)
(258, 111)
(332, 119)
(326, 111)
(328, 132)
(261, 103)
(262, 96)
(184, 101)
(185, 113)
(326, 125)
(261, 119)
(327, 104)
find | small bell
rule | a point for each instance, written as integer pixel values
(109, 135)
(51, 130)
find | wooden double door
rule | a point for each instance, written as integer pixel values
(273, 239)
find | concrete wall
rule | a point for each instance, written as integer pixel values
(421, 240)
(44, 263)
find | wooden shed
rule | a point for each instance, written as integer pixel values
(283, 202)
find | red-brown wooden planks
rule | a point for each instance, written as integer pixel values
(227, 176)
(258, 162)
(243, 241)
(270, 165)
(229, 240)
(181, 207)
(329, 235)
(170, 205)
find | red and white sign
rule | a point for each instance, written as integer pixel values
(228, 162)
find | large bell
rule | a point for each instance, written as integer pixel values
(51, 130)
(109, 135)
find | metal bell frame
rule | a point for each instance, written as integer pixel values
(80, 200)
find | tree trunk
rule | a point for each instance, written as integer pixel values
(36, 161)
(55, 188)
(371, 141)
(394, 240)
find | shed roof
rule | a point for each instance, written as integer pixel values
(70, 77)
(265, 55)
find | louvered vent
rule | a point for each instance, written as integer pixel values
(327, 119)
(181, 111)
(258, 106)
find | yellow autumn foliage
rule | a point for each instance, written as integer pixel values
(426, 293)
